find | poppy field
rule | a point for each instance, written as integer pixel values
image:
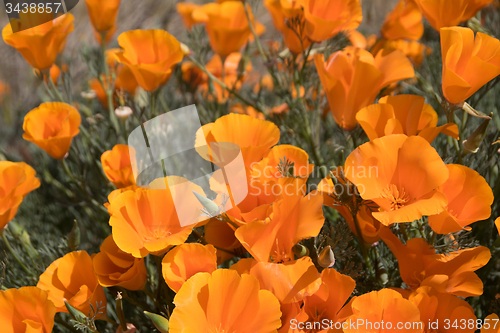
(279, 166)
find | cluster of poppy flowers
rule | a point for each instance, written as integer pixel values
(397, 177)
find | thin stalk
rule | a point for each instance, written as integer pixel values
(56, 91)
(255, 36)
(110, 86)
(362, 245)
(14, 253)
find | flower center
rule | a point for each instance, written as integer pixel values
(156, 233)
(279, 256)
(397, 197)
(220, 329)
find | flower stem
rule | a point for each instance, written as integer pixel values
(13, 252)
(110, 86)
(362, 244)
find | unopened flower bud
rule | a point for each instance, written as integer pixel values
(19, 233)
(211, 207)
(123, 112)
(326, 258)
(88, 95)
(74, 237)
(383, 276)
(471, 145)
(15, 229)
(300, 250)
(160, 322)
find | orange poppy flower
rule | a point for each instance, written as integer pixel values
(497, 224)
(117, 166)
(404, 22)
(227, 26)
(288, 18)
(473, 7)
(290, 282)
(434, 306)
(113, 267)
(385, 171)
(186, 9)
(146, 220)
(352, 79)
(449, 13)
(326, 18)
(221, 235)
(150, 55)
(414, 50)
(254, 136)
(328, 301)
(103, 13)
(124, 80)
(41, 44)
(468, 63)
(52, 126)
(269, 170)
(113, 195)
(493, 321)
(403, 114)
(271, 236)
(383, 310)
(357, 39)
(369, 226)
(26, 309)
(469, 200)
(451, 273)
(16, 181)
(186, 260)
(224, 302)
(72, 279)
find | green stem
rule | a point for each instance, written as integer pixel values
(433, 239)
(60, 321)
(54, 88)
(256, 38)
(14, 253)
(109, 86)
(362, 244)
(120, 314)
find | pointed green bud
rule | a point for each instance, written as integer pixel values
(74, 237)
(209, 205)
(160, 322)
(19, 233)
(383, 276)
(471, 145)
(326, 258)
(74, 313)
(300, 250)
(15, 229)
